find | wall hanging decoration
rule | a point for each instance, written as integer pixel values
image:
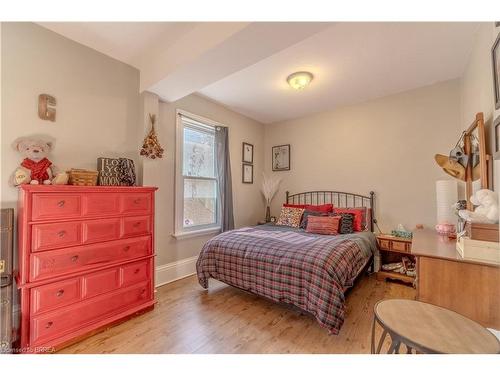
(116, 172)
(151, 147)
(45, 107)
(281, 158)
(247, 153)
(247, 174)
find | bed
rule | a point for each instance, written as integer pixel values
(285, 264)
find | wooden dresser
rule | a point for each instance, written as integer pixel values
(444, 278)
(86, 260)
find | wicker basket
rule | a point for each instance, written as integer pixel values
(82, 177)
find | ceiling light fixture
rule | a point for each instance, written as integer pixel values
(299, 80)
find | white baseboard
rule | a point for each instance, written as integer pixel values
(174, 271)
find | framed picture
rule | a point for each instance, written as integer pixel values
(496, 124)
(247, 174)
(495, 55)
(281, 158)
(247, 153)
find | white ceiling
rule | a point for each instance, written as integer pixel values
(124, 41)
(351, 63)
(244, 65)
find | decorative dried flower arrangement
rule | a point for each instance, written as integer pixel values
(151, 147)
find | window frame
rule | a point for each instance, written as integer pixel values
(179, 230)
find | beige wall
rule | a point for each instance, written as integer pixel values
(248, 202)
(97, 100)
(477, 83)
(386, 145)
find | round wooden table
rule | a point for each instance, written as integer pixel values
(428, 328)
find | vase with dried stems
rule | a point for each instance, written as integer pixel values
(270, 185)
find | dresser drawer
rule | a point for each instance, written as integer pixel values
(384, 244)
(401, 246)
(134, 226)
(56, 324)
(101, 282)
(136, 202)
(64, 261)
(52, 236)
(56, 206)
(101, 230)
(101, 204)
(51, 296)
(135, 272)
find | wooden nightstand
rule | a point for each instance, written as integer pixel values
(392, 250)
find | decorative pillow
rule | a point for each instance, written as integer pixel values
(323, 224)
(294, 205)
(320, 208)
(346, 223)
(290, 216)
(359, 216)
(303, 222)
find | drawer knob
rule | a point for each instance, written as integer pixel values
(74, 258)
(143, 291)
(136, 270)
(137, 200)
(61, 233)
(60, 292)
(137, 224)
(61, 203)
(126, 248)
(49, 324)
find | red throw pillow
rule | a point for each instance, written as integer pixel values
(294, 205)
(323, 224)
(320, 208)
(358, 216)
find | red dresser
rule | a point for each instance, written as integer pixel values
(86, 260)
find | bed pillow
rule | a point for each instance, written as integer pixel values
(290, 216)
(294, 205)
(323, 224)
(359, 216)
(307, 213)
(320, 208)
(346, 225)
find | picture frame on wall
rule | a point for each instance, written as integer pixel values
(496, 125)
(281, 158)
(495, 56)
(247, 174)
(247, 153)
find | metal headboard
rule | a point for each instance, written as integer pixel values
(338, 199)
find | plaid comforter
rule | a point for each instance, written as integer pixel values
(309, 271)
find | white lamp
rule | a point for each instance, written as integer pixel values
(446, 197)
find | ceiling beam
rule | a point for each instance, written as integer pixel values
(213, 51)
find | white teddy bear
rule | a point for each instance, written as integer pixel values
(487, 208)
(36, 168)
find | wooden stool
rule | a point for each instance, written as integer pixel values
(428, 328)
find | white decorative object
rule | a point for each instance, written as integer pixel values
(446, 197)
(487, 208)
(269, 189)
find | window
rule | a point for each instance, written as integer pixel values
(197, 197)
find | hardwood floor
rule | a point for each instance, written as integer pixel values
(188, 319)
